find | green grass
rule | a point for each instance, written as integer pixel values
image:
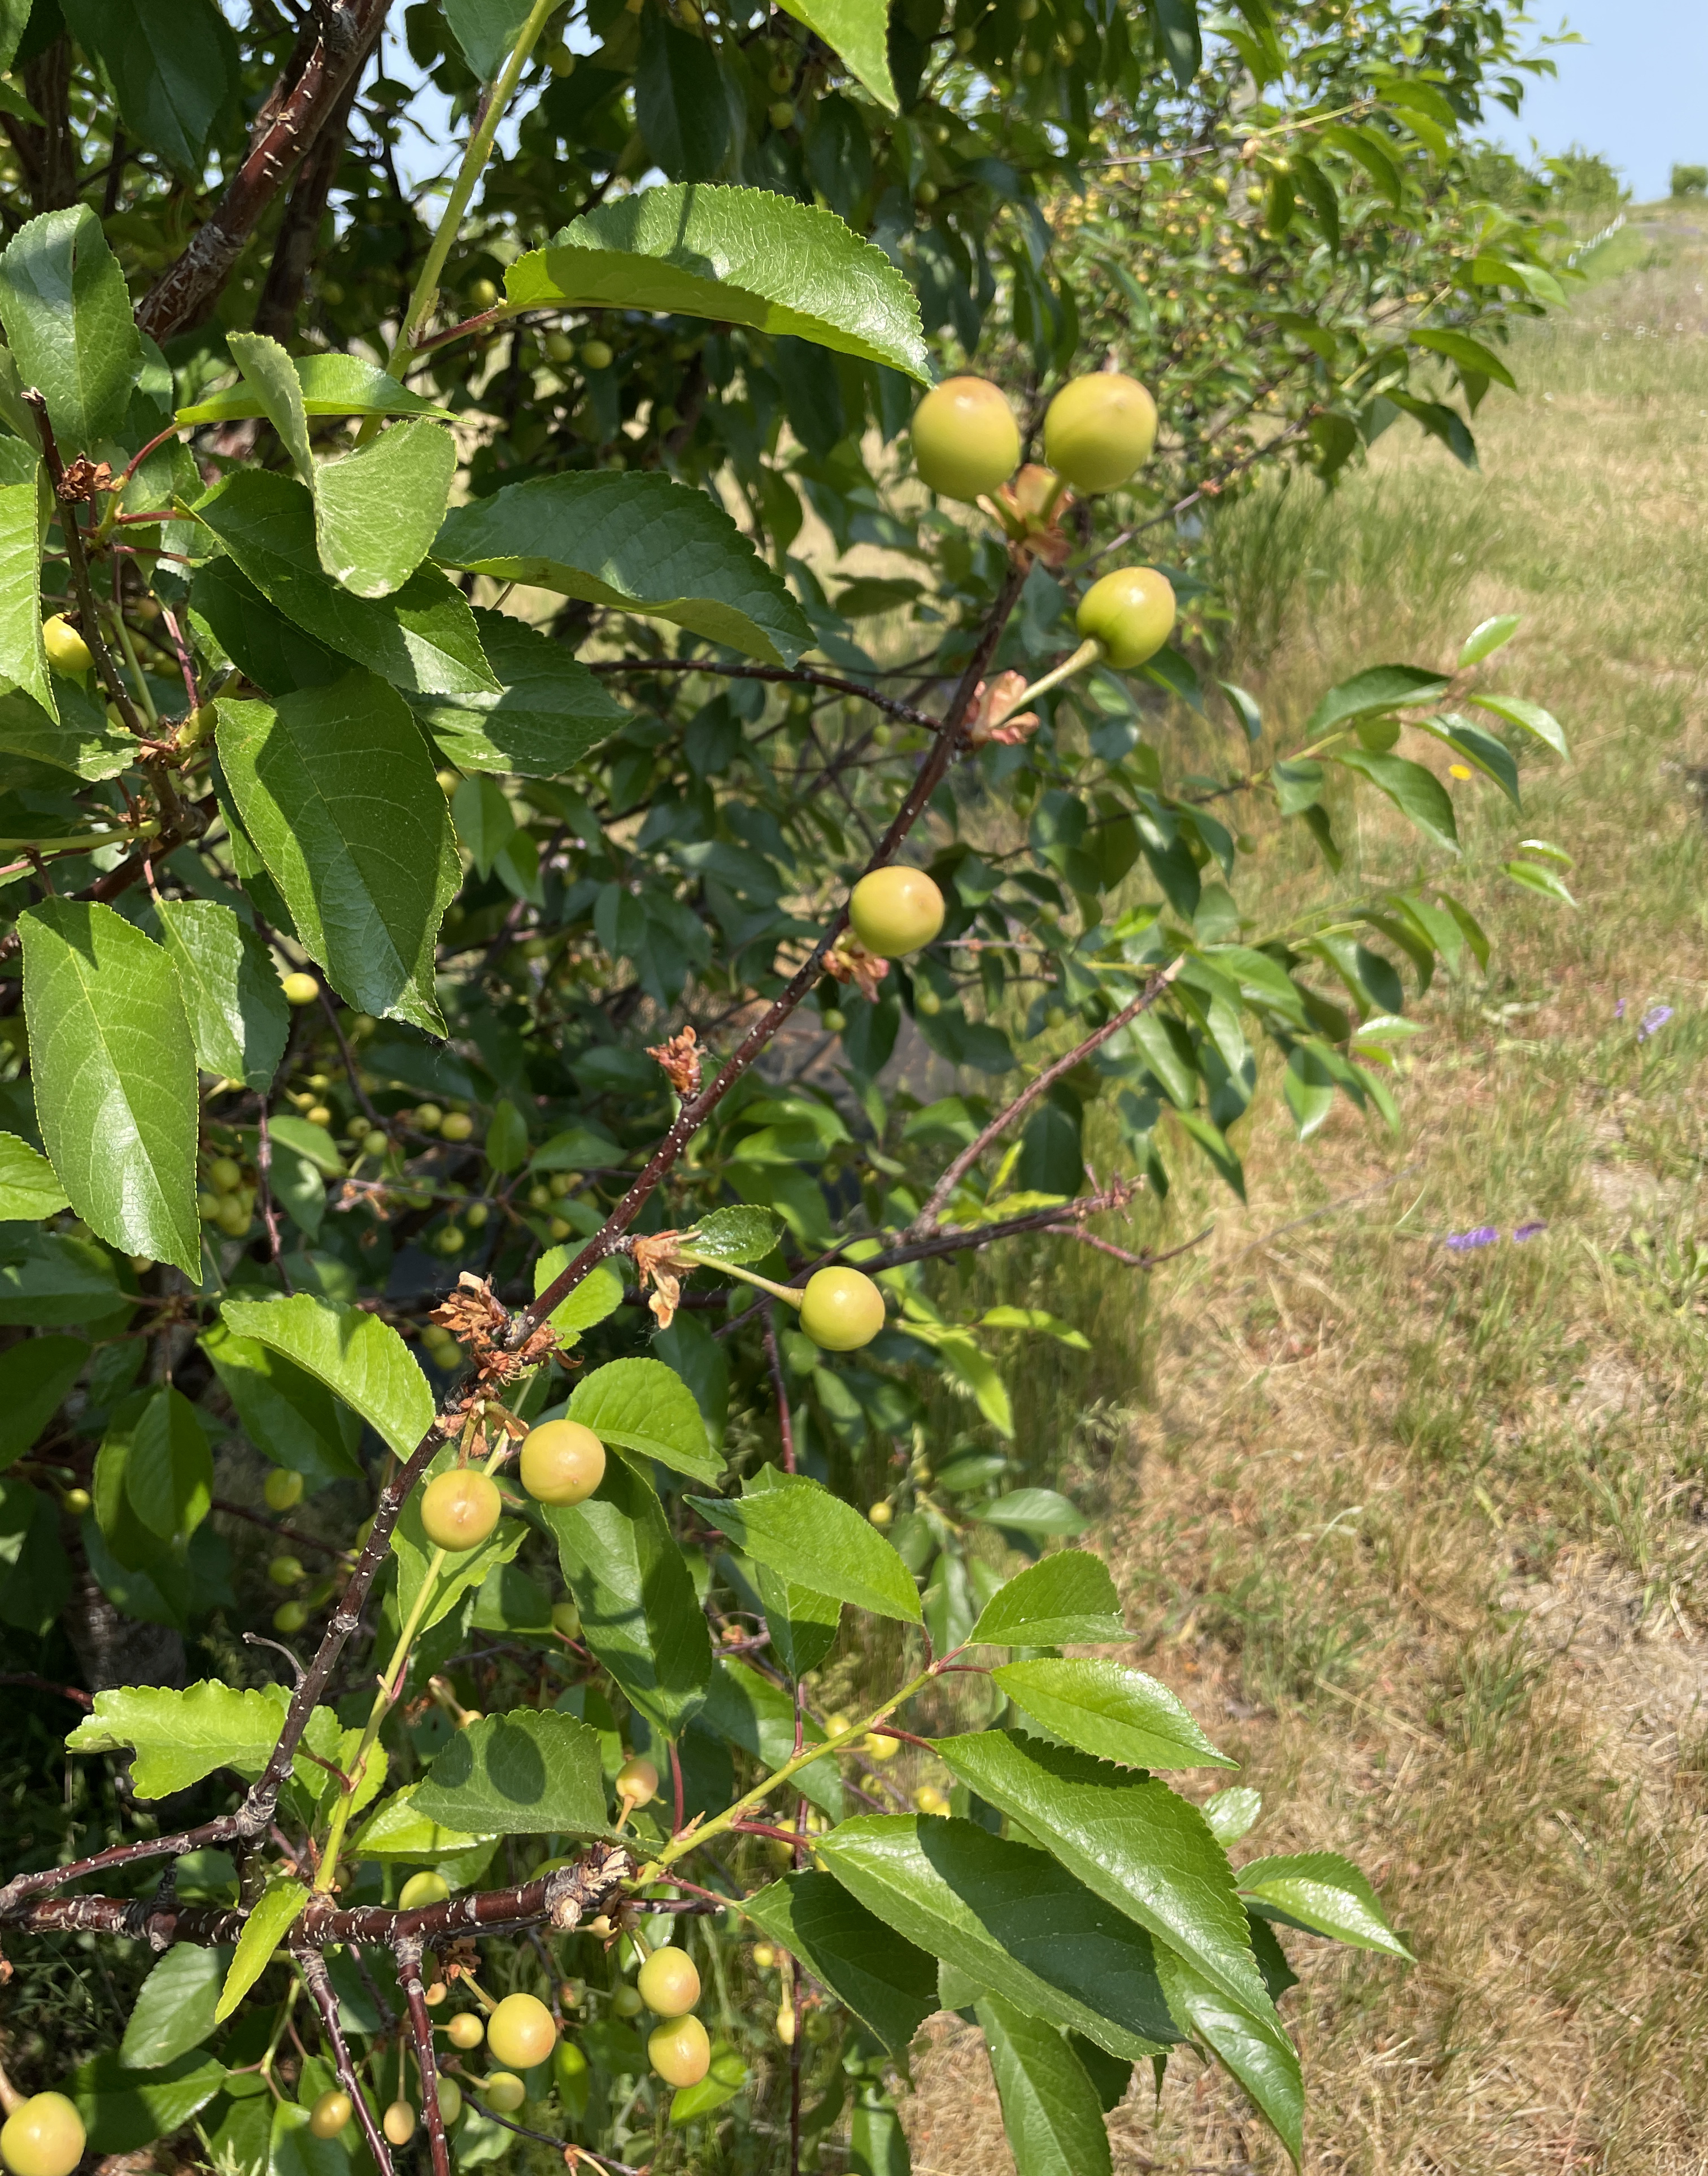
(1420, 1535)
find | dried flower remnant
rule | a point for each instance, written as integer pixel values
(991, 720)
(679, 1057)
(658, 1261)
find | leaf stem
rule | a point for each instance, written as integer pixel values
(426, 296)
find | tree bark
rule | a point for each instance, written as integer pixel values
(47, 152)
(299, 235)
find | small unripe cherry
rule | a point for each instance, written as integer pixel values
(282, 1489)
(562, 1462)
(428, 1117)
(841, 1310)
(460, 1509)
(1131, 612)
(669, 1982)
(680, 2051)
(457, 1127)
(882, 1512)
(504, 2091)
(929, 1800)
(895, 910)
(566, 1619)
(290, 1617)
(877, 1746)
(78, 1502)
(786, 2024)
(966, 440)
(1099, 430)
(637, 1781)
(765, 1956)
(286, 1571)
(421, 1889)
(42, 2137)
(67, 652)
(466, 2030)
(781, 114)
(570, 2062)
(450, 2100)
(559, 347)
(626, 2001)
(520, 2032)
(300, 989)
(227, 1173)
(330, 2114)
(596, 355)
(398, 2122)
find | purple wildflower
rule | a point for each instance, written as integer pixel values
(1461, 1243)
(1653, 1021)
(1527, 1232)
(1619, 1009)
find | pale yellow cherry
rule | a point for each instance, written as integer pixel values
(668, 1983)
(520, 2032)
(966, 440)
(1099, 431)
(562, 1462)
(460, 1510)
(842, 1310)
(1131, 612)
(43, 2136)
(680, 2051)
(896, 911)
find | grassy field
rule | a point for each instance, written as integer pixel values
(1420, 1533)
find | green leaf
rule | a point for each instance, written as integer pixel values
(179, 1737)
(124, 2110)
(1484, 640)
(858, 31)
(377, 511)
(80, 739)
(681, 104)
(743, 257)
(640, 1613)
(1517, 710)
(598, 1294)
(311, 1142)
(890, 1985)
(550, 712)
(331, 385)
(1068, 1598)
(529, 1773)
(34, 1576)
(1010, 1919)
(876, 2143)
(1324, 1893)
(397, 1831)
(67, 314)
(359, 1358)
(1256, 2050)
(34, 1375)
(1534, 877)
(485, 822)
(53, 1279)
(632, 543)
(1471, 355)
(1040, 1511)
(486, 30)
(172, 64)
(1383, 687)
(755, 1713)
(28, 1186)
(367, 871)
(1416, 792)
(282, 1903)
(1178, 33)
(23, 661)
(510, 1601)
(795, 1526)
(463, 1568)
(169, 1474)
(1232, 1813)
(1112, 1711)
(741, 1234)
(802, 1625)
(114, 1075)
(1136, 1843)
(507, 1137)
(174, 2008)
(1051, 2113)
(267, 368)
(284, 1411)
(643, 1407)
(239, 1021)
(421, 638)
(1488, 755)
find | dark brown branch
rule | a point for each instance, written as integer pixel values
(796, 675)
(74, 1694)
(420, 2026)
(298, 237)
(312, 1966)
(77, 562)
(279, 1533)
(949, 742)
(926, 1222)
(285, 130)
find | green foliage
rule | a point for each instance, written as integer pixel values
(522, 705)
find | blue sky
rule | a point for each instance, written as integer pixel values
(1636, 91)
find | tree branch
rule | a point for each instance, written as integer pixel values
(285, 129)
(420, 2026)
(792, 675)
(312, 1966)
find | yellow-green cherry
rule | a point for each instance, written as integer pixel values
(1131, 612)
(842, 1310)
(421, 1889)
(896, 911)
(1099, 431)
(460, 1509)
(43, 2136)
(330, 2114)
(669, 1982)
(520, 2032)
(67, 652)
(562, 1462)
(680, 2051)
(966, 440)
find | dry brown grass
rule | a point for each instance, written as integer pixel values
(1418, 1534)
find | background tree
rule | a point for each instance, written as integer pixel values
(491, 793)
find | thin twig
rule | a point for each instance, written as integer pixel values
(800, 676)
(312, 1966)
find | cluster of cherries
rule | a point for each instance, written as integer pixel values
(1098, 432)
